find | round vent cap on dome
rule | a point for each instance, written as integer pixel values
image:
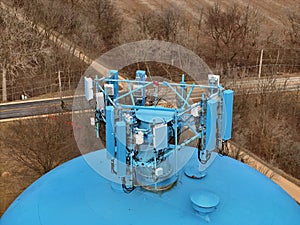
(204, 201)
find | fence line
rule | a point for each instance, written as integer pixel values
(271, 69)
(50, 86)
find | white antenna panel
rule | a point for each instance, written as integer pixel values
(160, 139)
(88, 88)
(109, 88)
(100, 100)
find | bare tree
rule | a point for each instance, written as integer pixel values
(294, 28)
(267, 125)
(18, 3)
(40, 144)
(107, 21)
(294, 39)
(143, 21)
(29, 60)
(62, 17)
(22, 50)
(167, 24)
(199, 24)
(161, 25)
(234, 31)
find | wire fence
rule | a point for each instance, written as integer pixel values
(40, 85)
(49, 84)
(273, 61)
(271, 69)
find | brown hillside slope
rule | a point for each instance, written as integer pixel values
(274, 12)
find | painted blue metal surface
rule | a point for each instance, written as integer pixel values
(227, 114)
(211, 124)
(204, 202)
(110, 131)
(140, 77)
(147, 115)
(205, 199)
(75, 194)
(121, 148)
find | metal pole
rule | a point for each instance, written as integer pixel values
(260, 63)
(4, 90)
(59, 83)
(277, 59)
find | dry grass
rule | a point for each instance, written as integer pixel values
(13, 177)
